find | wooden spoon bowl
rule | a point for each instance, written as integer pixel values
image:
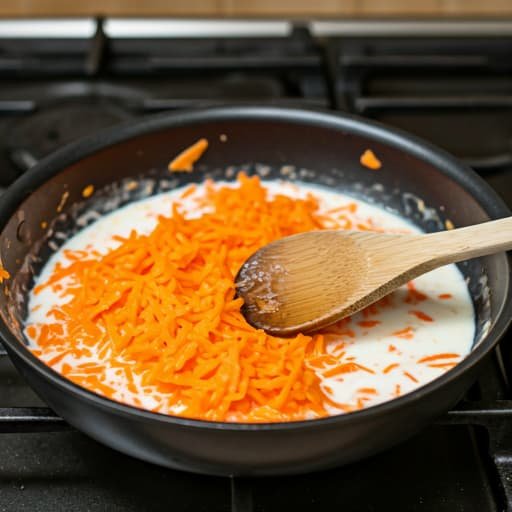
(307, 281)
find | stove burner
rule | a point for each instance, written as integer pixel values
(30, 138)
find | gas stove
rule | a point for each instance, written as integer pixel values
(449, 82)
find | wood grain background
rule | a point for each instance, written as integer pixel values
(260, 8)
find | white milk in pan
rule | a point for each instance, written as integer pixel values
(426, 328)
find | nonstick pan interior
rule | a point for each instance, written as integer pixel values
(426, 186)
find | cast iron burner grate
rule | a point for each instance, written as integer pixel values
(336, 487)
(454, 91)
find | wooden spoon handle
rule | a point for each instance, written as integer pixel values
(471, 242)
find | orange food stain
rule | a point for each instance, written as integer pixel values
(369, 160)
(445, 296)
(187, 158)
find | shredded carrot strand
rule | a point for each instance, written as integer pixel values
(341, 369)
(421, 315)
(368, 391)
(414, 296)
(390, 367)
(3, 274)
(411, 377)
(368, 323)
(436, 357)
(442, 365)
(407, 333)
(187, 158)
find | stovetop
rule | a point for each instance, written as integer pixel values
(450, 83)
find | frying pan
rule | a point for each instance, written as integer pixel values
(417, 181)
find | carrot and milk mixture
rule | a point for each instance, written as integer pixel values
(141, 307)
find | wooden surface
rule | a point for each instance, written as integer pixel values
(259, 8)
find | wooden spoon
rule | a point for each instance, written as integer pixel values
(304, 282)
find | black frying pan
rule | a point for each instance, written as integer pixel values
(314, 147)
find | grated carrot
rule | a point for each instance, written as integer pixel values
(369, 160)
(341, 369)
(442, 365)
(88, 191)
(160, 311)
(3, 274)
(390, 367)
(163, 305)
(421, 315)
(368, 323)
(411, 377)
(187, 158)
(368, 391)
(350, 207)
(413, 295)
(407, 333)
(435, 357)
(445, 296)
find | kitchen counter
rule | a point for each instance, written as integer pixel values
(260, 8)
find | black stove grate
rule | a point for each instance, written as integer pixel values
(454, 91)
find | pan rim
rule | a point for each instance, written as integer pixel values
(72, 153)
